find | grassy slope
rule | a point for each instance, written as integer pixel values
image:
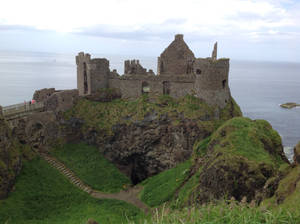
(42, 195)
(287, 193)
(91, 167)
(247, 138)
(161, 187)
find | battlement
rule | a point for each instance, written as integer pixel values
(134, 67)
(179, 73)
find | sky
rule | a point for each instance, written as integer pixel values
(267, 30)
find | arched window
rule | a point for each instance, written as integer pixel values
(145, 87)
(85, 82)
(224, 83)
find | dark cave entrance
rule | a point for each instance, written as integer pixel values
(138, 171)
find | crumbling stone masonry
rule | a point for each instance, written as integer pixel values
(179, 73)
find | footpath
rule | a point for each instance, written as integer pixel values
(129, 196)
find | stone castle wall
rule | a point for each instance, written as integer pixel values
(179, 73)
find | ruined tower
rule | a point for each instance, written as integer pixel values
(176, 59)
(92, 74)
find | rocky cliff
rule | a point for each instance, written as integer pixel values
(242, 159)
(10, 158)
(144, 137)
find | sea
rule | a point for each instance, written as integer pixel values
(258, 87)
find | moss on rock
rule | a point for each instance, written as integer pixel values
(102, 116)
(236, 161)
(10, 158)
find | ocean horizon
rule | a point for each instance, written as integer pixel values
(258, 87)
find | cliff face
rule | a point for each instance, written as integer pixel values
(10, 159)
(146, 137)
(242, 159)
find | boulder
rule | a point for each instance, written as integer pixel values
(91, 221)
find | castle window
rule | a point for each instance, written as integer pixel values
(161, 67)
(224, 83)
(198, 71)
(166, 87)
(145, 88)
(85, 82)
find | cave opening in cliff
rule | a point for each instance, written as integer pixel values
(138, 171)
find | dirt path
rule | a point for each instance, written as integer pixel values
(129, 196)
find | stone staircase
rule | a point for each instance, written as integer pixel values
(129, 196)
(66, 172)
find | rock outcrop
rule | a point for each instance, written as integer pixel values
(10, 159)
(238, 161)
(144, 138)
(289, 105)
(297, 154)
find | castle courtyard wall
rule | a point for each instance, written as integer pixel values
(131, 86)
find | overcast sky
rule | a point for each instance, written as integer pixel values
(244, 29)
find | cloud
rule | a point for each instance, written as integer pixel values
(17, 27)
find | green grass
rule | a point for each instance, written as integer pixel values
(161, 187)
(184, 194)
(91, 167)
(287, 193)
(222, 213)
(250, 139)
(43, 196)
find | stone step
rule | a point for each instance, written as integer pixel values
(67, 173)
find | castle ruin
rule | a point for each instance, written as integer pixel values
(179, 73)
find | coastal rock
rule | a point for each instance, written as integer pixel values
(289, 105)
(297, 154)
(10, 159)
(237, 161)
(143, 138)
(286, 195)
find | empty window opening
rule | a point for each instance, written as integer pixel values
(166, 88)
(85, 82)
(161, 67)
(198, 71)
(145, 88)
(224, 83)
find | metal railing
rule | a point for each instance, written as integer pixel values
(21, 108)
